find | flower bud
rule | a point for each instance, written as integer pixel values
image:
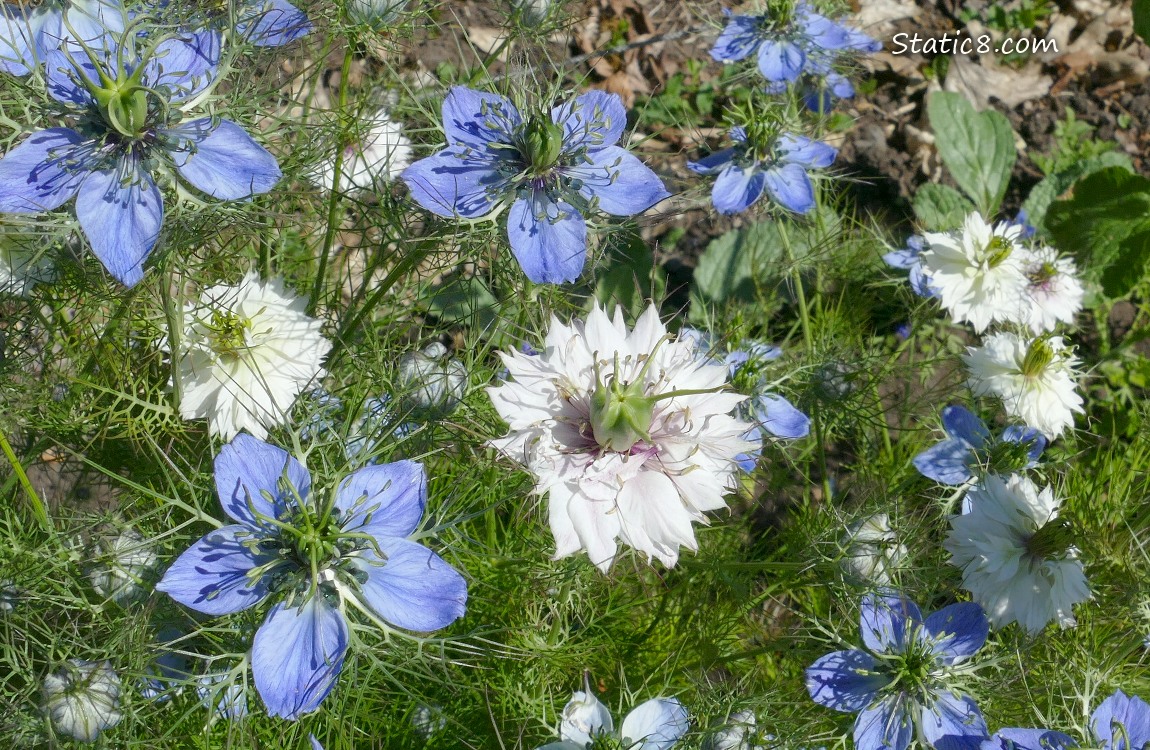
(124, 566)
(375, 13)
(583, 718)
(430, 381)
(1038, 356)
(621, 414)
(543, 142)
(82, 698)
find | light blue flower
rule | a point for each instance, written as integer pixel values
(970, 450)
(314, 558)
(1028, 739)
(778, 166)
(123, 96)
(28, 34)
(897, 682)
(1121, 722)
(787, 44)
(910, 259)
(552, 168)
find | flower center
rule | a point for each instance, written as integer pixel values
(1053, 541)
(621, 413)
(1043, 274)
(913, 670)
(122, 100)
(542, 144)
(229, 332)
(997, 251)
(1039, 355)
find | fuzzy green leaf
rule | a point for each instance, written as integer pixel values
(940, 208)
(977, 148)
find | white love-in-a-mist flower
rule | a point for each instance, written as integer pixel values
(1017, 555)
(247, 351)
(1053, 292)
(871, 549)
(738, 732)
(656, 724)
(977, 271)
(627, 432)
(377, 152)
(1034, 378)
(123, 564)
(430, 381)
(82, 698)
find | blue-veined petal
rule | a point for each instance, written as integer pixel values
(713, 163)
(902, 258)
(184, 66)
(1037, 441)
(247, 470)
(947, 462)
(297, 655)
(887, 725)
(592, 120)
(211, 576)
(738, 39)
(798, 149)
(781, 61)
(962, 628)
(959, 423)
(44, 171)
(790, 187)
(656, 724)
(820, 30)
(953, 722)
(413, 588)
(121, 212)
(623, 185)
(884, 622)
(221, 159)
(385, 500)
(844, 680)
(840, 85)
(861, 42)
(314, 742)
(19, 29)
(476, 119)
(448, 184)
(737, 187)
(66, 75)
(1121, 722)
(1029, 739)
(779, 417)
(548, 239)
(271, 23)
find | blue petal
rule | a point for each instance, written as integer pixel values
(887, 725)
(476, 119)
(450, 184)
(314, 742)
(211, 575)
(1029, 739)
(271, 23)
(623, 185)
(383, 501)
(33, 176)
(780, 418)
(960, 423)
(845, 680)
(739, 39)
(904, 258)
(413, 588)
(884, 622)
(821, 31)
(297, 655)
(18, 32)
(714, 163)
(857, 40)
(789, 185)
(248, 471)
(592, 120)
(64, 72)
(184, 66)
(548, 239)
(953, 723)
(920, 282)
(798, 149)
(840, 85)
(947, 462)
(1037, 441)
(965, 627)
(781, 61)
(121, 212)
(736, 188)
(221, 159)
(1120, 718)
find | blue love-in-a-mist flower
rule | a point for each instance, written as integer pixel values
(28, 34)
(970, 450)
(315, 556)
(553, 168)
(1121, 722)
(263, 23)
(897, 682)
(788, 43)
(122, 95)
(777, 163)
(817, 92)
(909, 258)
(1028, 739)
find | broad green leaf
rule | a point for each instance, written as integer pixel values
(940, 208)
(1128, 267)
(1045, 192)
(1142, 19)
(977, 148)
(463, 300)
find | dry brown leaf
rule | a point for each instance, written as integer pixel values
(979, 81)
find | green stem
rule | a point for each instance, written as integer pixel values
(797, 281)
(334, 195)
(38, 508)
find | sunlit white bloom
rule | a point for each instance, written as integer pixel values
(375, 13)
(82, 698)
(123, 565)
(738, 733)
(22, 266)
(978, 272)
(377, 153)
(1053, 292)
(1017, 556)
(656, 724)
(1033, 377)
(628, 432)
(430, 381)
(247, 351)
(872, 550)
